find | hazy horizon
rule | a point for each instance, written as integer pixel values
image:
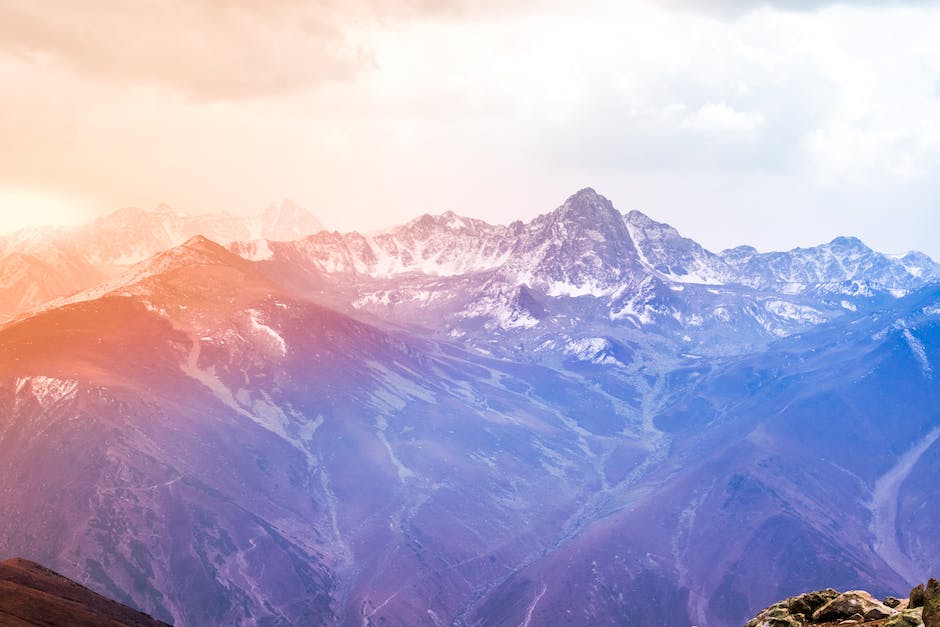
(82, 220)
(765, 123)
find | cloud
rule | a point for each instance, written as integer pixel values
(211, 50)
(216, 49)
(370, 112)
(736, 8)
(720, 118)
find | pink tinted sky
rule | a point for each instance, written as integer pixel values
(776, 124)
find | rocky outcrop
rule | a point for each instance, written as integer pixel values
(855, 607)
(794, 611)
(906, 618)
(851, 604)
(932, 604)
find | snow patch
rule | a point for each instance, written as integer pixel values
(386, 298)
(308, 429)
(404, 472)
(258, 250)
(884, 509)
(792, 311)
(263, 412)
(394, 391)
(917, 348)
(504, 314)
(589, 288)
(266, 331)
(47, 390)
(592, 349)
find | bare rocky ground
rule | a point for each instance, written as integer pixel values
(827, 608)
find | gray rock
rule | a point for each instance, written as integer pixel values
(931, 614)
(906, 618)
(847, 604)
(777, 615)
(808, 603)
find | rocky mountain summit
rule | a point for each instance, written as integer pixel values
(855, 607)
(584, 419)
(585, 265)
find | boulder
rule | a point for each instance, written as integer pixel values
(847, 604)
(906, 618)
(916, 598)
(808, 603)
(931, 613)
(777, 615)
(793, 612)
(787, 621)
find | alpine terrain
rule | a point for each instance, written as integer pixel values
(584, 419)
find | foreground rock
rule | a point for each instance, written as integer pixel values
(33, 595)
(855, 607)
(852, 604)
(932, 604)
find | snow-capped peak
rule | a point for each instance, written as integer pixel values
(284, 221)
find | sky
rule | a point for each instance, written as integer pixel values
(775, 124)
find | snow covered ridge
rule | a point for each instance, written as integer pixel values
(131, 235)
(39, 265)
(444, 245)
(134, 281)
(586, 247)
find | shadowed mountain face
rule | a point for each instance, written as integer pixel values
(33, 595)
(585, 419)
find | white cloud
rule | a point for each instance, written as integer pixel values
(720, 118)
(369, 113)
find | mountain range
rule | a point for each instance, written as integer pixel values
(584, 419)
(40, 264)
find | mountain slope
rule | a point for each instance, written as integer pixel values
(788, 470)
(235, 453)
(585, 416)
(35, 269)
(38, 265)
(583, 272)
(33, 595)
(844, 265)
(130, 235)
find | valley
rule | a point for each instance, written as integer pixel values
(582, 419)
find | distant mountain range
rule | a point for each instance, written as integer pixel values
(586, 418)
(39, 264)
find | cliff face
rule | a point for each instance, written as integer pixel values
(855, 607)
(33, 595)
